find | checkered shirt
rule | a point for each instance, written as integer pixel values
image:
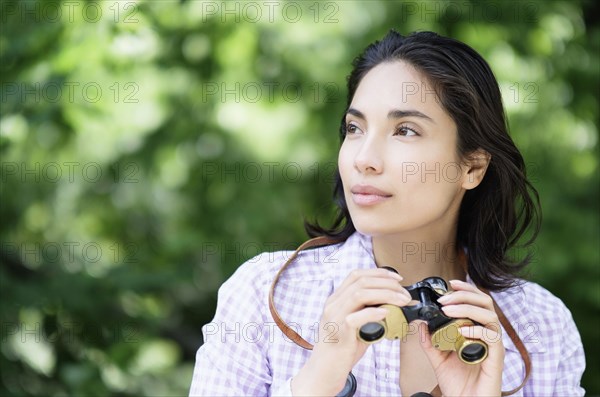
(245, 354)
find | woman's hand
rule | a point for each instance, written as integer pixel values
(456, 378)
(347, 309)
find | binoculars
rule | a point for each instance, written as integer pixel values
(444, 330)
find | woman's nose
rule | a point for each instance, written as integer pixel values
(369, 158)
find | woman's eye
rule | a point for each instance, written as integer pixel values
(404, 130)
(352, 129)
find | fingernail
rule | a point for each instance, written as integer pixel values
(444, 299)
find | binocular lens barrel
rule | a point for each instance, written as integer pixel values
(473, 352)
(371, 332)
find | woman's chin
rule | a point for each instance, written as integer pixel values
(372, 229)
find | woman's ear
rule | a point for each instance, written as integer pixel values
(476, 165)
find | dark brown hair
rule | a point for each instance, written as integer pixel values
(495, 215)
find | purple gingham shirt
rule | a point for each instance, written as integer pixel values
(245, 354)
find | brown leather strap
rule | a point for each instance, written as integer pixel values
(436, 392)
(287, 331)
(512, 334)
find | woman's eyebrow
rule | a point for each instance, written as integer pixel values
(393, 114)
(356, 113)
(397, 114)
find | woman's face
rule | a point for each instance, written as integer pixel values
(398, 162)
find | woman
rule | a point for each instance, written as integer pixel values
(428, 184)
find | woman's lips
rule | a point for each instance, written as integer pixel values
(368, 195)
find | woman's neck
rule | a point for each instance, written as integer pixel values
(418, 258)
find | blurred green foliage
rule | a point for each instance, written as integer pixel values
(148, 148)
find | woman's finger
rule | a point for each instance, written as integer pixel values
(459, 285)
(358, 274)
(371, 279)
(468, 297)
(367, 315)
(368, 282)
(359, 298)
(475, 313)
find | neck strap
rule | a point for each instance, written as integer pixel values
(287, 331)
(300, 341)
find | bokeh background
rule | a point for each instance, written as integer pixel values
(148, 148)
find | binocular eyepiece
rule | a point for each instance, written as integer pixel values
(444, 330)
